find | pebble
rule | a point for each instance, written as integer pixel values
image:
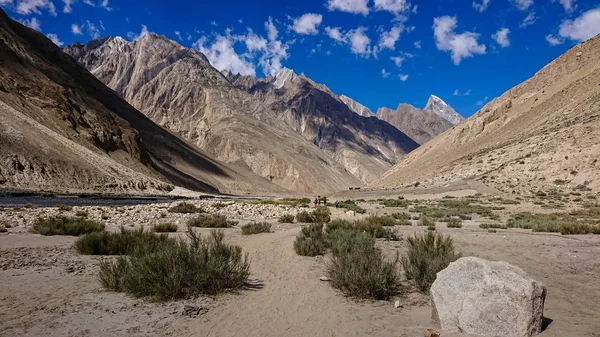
(324, 279)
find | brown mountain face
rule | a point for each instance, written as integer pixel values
(364, 146)
(62, 130)
(420, 125)
(541, 134)
(177, 88)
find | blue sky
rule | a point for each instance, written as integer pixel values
(379, 52)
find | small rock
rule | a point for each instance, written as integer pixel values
(70, 269)
(193, 311)
(324, 279)
(431, 333)
(398, 305)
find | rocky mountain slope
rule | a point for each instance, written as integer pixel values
(178, 88)
(419, 124)
(62, 130)
(364, 146)
(356, 107)
(442, 109)
(542, 134)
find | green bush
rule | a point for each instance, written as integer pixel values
(337, 224)
(180, 269)
(165, 228)
(121, 243)
(401, 216)
(311, 241)
(82, 214)
(64, 208)
(427, 255)
(219, 205)
(358, 268)
(286, 218)
(211, 221)
(492, 225)
(66, 226)
(455, 223)
(386, 220)
(426, 222)
(321, 215)
(256, 228)
(404, 223)
(376, 229)
(304, 217)
(352, 206)
(186, 208)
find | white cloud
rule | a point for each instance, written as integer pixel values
(307, 23)
(403, 77)
(349, 6)
(26, 7)
(334, 33)
(388, 39)
(104, 4)
(68, 5)
(501, 37)
(359, 42)
(418, 44)
(458, 93)
(32, 23)
(178, 34)
(271, 29)
(460, 45)
(398, 60)
(395, 7)
(553, 41)
(385, 73)
(529, 20)
(481, 7)
(586, 26)
(568, 5)
(134, 37)
(255, 42)
(482, 101)
(223, 57)
(523, 4)
(54, 38)
(75, 29)
(5, 2)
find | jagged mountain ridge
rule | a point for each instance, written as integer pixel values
(442, 109)
(356, 107)
(62, 130)
(542, 134)
(179, 89)
(365, 146)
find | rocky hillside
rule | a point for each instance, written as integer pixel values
(62, 130)
(178, 88)
(542, 134)
(364, 146)
(419, 124)
(356, 107)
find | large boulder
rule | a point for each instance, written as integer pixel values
(492, 299)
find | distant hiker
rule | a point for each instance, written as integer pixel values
(316, 201)
(319, 200)
(324, 201)
(337, 204)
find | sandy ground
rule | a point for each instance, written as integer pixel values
(48, 290)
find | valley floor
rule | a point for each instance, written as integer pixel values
(47, 289)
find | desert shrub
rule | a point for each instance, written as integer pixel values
(3, 229)
(492, 225)
(455, 223)
(124, 242)
(82, 214)
(492, 230)
(301, 202)
(186, 208)
(394, 202)
(401, 216)
(416, 217)
(256, 228)
(305, 217)
(338, 224)
(343, 240)
(462, 208)
(431, 228)
(66, 226)
(211, 221)
(358, 268)
(30, 206)
(311, 241)
(352, 206)
(286, 218)
(219, 205)
(426, 222)
(404, 223)
(64, 208)
(321, 215)
(165, 228)
(386, 220)
(180, 269)
(427, 255)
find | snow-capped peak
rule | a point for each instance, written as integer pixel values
(442, 109)
(284, 76)
(355, 106)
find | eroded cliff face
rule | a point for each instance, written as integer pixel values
(178, 89)
(364, 146)
(420, 125)
(540, 135)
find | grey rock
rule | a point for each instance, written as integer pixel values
(194, 311)
(491, 299)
